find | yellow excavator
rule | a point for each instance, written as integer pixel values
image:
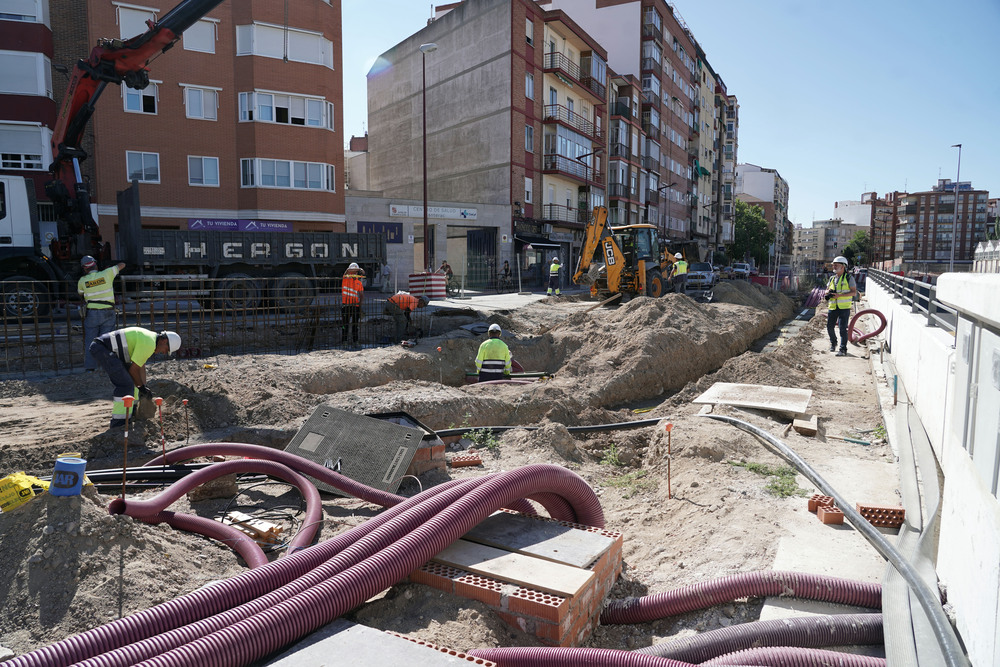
(630, 259)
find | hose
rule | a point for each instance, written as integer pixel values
(929, 600)
(744, 585)
(361, 567)
(807, 631)
(314, 506)
(538, 656)
(788, 656)
(855, 335)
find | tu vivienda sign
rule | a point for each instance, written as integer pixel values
(229, 225)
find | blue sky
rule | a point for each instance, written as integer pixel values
(840, 98)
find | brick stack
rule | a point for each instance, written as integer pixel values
(429, 455)
(469, 459)
(555, 619)
(817, 499)
(883, 516)
(825, 510)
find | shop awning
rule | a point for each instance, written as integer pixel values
(535, 241)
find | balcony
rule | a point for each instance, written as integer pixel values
(620, 150)
(564, 214)
(650, 65)
(651, 31)
(649, 97)
(621, 191)
(692, 148)
(619, 108)
(651, 163)
(652, 197)
(560, 64)
(554, 163)
(557, 112)
(652, 131)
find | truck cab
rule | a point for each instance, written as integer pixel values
(23, 267)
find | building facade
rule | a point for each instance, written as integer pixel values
(28, 102)
(768, 185)
(240, 120)
(935, 232)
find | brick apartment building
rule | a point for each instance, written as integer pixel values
(932, 229)
(240, 121)
(761, 184)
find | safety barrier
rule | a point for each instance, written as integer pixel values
(41, 330)
(920, 296)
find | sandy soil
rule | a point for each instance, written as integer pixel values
(66, 565)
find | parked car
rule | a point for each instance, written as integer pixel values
(726, 272)
(701, 276)
(741, 271)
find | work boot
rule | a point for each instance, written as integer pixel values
(833, 347)
(842, 353)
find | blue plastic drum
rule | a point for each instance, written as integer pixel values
(67, 478)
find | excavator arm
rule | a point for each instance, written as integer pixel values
(111, 61)
(598, 238)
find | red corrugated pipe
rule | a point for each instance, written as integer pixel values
(854, 335)
(535, 656)
(806, 631)
(787, 656)
(749, 584)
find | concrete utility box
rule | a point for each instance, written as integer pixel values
(375, 452)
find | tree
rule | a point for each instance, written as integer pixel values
(859, 249)
(751, 237)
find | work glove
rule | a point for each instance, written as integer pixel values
(144, 391)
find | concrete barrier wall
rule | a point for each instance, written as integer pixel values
(968, 558)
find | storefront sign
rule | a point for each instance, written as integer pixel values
(393, 231)
(439, 212)
(229, 225)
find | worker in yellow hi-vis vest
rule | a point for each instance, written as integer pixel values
(97, 289)
(554, 276)
(680, 271)
(840, 291)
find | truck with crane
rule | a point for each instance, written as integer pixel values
(40, 262)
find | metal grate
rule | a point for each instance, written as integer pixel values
(374, 452)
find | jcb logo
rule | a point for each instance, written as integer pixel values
(609, 253)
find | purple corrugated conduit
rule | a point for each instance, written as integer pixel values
(219, 597)
(807, 631)
(366, 567)
(855, 335)
(146, 509)
(745, 585)
(534, 656)
(231, 537)
(788, 656)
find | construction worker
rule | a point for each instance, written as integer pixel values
(352, 294)
(123, 354)
(840, 291)
(554, 276)
(97, 289)
(399, 306)
(680, 270)
(493, 360)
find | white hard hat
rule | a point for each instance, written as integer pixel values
(556, 260)
(354, 265)
(840, 259)
(173, 341)
(678, 256)
(495, 327)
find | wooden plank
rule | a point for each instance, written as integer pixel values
(759, 396)
(535, 573)
(543, 539)
(806, 424)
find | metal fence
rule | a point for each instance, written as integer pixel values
(235, 315)
(920, 296)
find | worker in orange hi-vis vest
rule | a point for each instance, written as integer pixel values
(399, 306)
(352, 294)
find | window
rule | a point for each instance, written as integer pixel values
(25, 73)
(553, 96)
(141, 101)
(267, 173)
(132, 19)
(29, 11)
(143, 167)
(201, 102)
(529, 138)
(286, 109)
(271, 41)
(23, 146)
(203, 170)
(529, 85)
(529, 32)
(201, 36)
(527, 190)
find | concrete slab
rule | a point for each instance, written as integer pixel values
(785, 400)
(343, 642)
(544, 539)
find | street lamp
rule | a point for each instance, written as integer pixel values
(666, 227)
(954, 224)
(430, 47)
